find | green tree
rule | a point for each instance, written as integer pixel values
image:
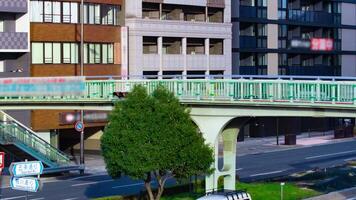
(152, 138)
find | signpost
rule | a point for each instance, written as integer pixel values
(28, 184)
(21, 173)
(21, 169)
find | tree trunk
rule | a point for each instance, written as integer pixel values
(160, 192)
(149, 190)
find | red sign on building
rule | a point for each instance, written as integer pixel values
(322, 44)
(2, 161)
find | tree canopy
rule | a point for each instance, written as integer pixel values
(152, 137)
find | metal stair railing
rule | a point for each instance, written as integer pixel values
(19, 134)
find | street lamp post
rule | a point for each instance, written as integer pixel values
(82, 74)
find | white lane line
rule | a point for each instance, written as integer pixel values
(267, 173)
(351, 159)
(239, 169)
(87, 176)
(17, 197)
(331, 154)
(123, 186)
(91, 183)
(38, 198)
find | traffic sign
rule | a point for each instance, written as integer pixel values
(79, 126)
(21, 169)
(28, 184)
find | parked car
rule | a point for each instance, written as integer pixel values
(236, 195)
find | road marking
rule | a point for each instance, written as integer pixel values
(267, 173)
(87, 176)
(123, 186)
(17, 197)
(91, 183)
(38, 198)
(351, 159)
(239, 169)
(331, 154)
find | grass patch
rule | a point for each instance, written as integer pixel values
(258, 191)
(272, 191)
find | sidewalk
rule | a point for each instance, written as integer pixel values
(347, 194)
(268, 144)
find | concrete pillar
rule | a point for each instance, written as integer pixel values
(160, 53)
(207, 53)
(184, 51)
(211, 127)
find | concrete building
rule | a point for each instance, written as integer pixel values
(14, 38)
(175, 37)
(55, 51)
(291, 37)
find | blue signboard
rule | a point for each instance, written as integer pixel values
(27, 184)
(21, 169)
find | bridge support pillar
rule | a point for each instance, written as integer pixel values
(211, 128)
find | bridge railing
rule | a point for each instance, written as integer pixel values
(236, 90)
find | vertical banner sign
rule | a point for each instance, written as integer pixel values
(124, 53)
(2, 161)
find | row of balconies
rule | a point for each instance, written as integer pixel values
(10, 41)
(318, 17)
(193, 62)
(13, 6)
(315, 70)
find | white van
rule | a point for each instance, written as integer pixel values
(237, 195)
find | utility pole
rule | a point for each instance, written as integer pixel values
(82, 74)
(277, 128)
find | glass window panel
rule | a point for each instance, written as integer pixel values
(74, 12)
(110, 16)
(110, 53)
(48, 11)
(91, 53)
(36, 11)
(85, 13)
(104, 53)
(56, 53)
(91, 14)
(97, 14)
(97, 53)
(74, 53)
(48, 53)
(66, 53)
(66, 12)
(85, 53)
(37, 53)
(56, 12)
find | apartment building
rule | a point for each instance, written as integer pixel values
(297, 38)
(294, 37)
(178, 37)
(14, 38)
(55, 51)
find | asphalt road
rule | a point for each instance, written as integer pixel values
(249, 168)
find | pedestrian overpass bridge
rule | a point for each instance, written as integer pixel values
(219, 108)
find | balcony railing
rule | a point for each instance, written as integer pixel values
(253, 12)
(13, 41)
(253, 70)
(315, 70)
(311, 17)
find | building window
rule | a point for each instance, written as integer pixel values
(150, 10)
(172, 45)
(98, 53)
(70, 53)
(37, 53)
(1, 26)
(216, 47)
(150, 45)
(216, 15)
(195, 46)
(68, 12)
(52, 53)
